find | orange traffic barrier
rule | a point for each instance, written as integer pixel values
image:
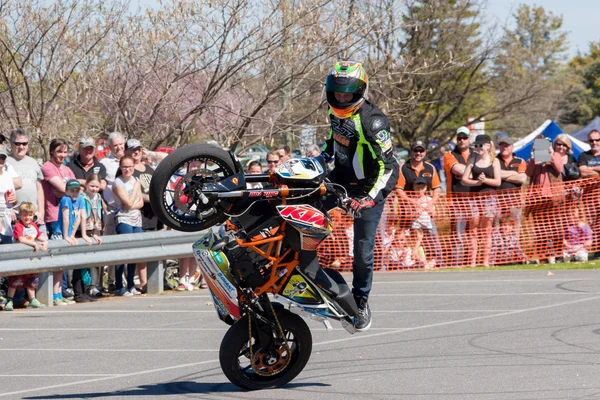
(503, 227)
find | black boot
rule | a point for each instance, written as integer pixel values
(362, 322)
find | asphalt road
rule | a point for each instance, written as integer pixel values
(436, 335)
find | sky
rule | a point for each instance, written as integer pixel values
(580, 18)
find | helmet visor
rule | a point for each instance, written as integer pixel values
(344, 84)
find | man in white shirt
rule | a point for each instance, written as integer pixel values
(116, 141)
(29, 186)
(111, 163)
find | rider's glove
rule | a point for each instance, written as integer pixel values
(357, 205)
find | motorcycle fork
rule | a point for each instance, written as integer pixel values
(265, 323)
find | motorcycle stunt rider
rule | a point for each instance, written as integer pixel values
(364, 164)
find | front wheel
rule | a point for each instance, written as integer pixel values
(176, 183)
(257, 367)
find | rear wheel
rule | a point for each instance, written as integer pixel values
(174, 194)
(257, 367)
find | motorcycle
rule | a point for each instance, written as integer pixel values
(260, 265)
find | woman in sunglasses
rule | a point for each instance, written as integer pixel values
(482, 174)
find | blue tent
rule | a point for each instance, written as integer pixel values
(582, 133)
(549, 129)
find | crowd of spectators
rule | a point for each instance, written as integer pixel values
(486, 220)
(71, 197)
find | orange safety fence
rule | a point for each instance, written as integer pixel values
(511, 226)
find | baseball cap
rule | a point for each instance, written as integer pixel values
(73, 184)
(463, 130)
(3, 150)
(483, 139)
(417, 144)
(86, 142)
(506, 140)
(132, 144)
(420, 180)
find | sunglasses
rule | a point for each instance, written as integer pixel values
(593, 140)
(463, 138)
(272, 162)
(418, 151)
(20, 143)
(3, 157)
(478, 145)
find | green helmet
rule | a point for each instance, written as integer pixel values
(346, 77)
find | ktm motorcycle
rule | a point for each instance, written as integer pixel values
(260, 265)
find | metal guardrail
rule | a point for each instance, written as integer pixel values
(151, 247)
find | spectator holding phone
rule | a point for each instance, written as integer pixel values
(546, 212)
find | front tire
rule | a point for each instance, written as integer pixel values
(178, 176)
(234, 354)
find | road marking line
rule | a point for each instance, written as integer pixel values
(482, 294)
(150, 371)
(55, 375)
(395, 331)
(458, 321)
(121, 351)
(111, 329)
(549, 280)
(27, 312)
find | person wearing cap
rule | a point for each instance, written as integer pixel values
(482, 175)
(85, 163)
(513, 168)
(8, 198)
(70, 216)
(417, 167)
(455, 162)
(31, 175)
(513, 177)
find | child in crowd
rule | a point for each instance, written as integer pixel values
(423, 223)
(26, 232)
(254, 168)
(578, 239)
(93, 225)
(69, 219)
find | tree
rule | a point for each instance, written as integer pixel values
(428, 67)
(583, 102)
(45, 48)
(530, 66)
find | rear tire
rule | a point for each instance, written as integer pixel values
(234, 353)
(215, 164)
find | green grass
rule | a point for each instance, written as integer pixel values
(595, 264)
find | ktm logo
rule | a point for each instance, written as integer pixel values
(304, 214)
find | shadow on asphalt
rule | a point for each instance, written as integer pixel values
(169, 389)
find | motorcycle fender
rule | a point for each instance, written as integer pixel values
(215, 268)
